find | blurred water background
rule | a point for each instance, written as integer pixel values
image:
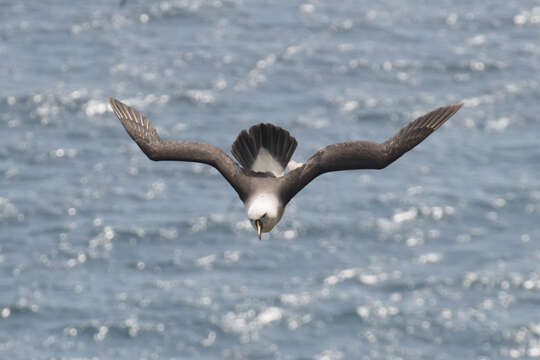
(107, 255)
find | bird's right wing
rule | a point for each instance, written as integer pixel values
(365, 154)
(143, 132)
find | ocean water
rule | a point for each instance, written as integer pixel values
(107, 255)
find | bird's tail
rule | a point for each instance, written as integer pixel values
(265, 148)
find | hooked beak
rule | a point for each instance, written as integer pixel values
(259, 228)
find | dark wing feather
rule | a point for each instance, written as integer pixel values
(145, 135)
(365, 154)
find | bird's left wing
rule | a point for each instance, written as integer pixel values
(365, 154)
(143, 132)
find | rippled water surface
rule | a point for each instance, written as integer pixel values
(107, 255)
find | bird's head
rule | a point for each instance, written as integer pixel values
(264, 211)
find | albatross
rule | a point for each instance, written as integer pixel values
(264, 153)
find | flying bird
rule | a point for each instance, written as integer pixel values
(264, 153)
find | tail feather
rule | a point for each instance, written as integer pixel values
(276, 141)
(244, 149)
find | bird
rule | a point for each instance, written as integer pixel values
(264, 152)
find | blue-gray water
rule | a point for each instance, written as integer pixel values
(107, 255)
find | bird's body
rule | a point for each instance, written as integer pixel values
(265, 151)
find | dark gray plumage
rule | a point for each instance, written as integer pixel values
(279, 143)
(265, 194)
(143, 132)
(366, 154)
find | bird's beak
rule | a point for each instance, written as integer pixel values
(259, 228)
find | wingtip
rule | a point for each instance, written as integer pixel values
(456, 107)
(450, 111)
(112, 100)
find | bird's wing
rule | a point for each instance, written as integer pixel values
(365, 154)
(145, 135)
